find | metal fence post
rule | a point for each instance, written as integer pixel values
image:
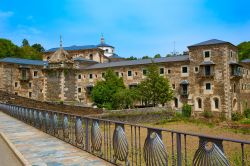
(178, 143)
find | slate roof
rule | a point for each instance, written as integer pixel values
(138, 62)
(104, 45)
(116, 56)
(24, 61)
(84, 59)
(209, 42)
(74, 47)
(246, 61)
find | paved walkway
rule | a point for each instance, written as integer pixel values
(42, 149)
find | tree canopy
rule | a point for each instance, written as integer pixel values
(244, 50)
(155, 89)
(157, 56)
(8, 49)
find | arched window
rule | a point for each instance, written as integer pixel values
(216, 103)
(175, 102)
(199, 103)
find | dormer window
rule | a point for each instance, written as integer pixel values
(107, 50)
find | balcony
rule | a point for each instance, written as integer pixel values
(236, 71)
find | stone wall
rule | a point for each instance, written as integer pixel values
(53, 85)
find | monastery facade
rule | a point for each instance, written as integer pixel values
(210, 77)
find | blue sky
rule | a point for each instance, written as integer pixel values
(134, 27)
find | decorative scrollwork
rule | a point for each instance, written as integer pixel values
(79, 131)
(154, 150)
(120, 144)
(47, 121)
(55, 124)
(96, 137)
(210, 153)
(66, 127)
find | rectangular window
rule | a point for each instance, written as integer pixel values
(207, 70)
(169, 71)
(173, 86)
(79, 90)
(90, 76)
(206, 54)
(129, 73)
(30, 94)
(144, 72)
(161, 70)
(16, 93)
(16, 84)
(184, 69)
(30, 84)
(117, 74)
(208, 86)
(35, 73)
(79, 76)
(196, 69)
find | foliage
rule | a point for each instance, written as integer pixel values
(236, 116)
(38, 47)
(103, 93)
(124, 98)
(247, 113)
(207, 114)
(244, 50)
(131, 58)
(8, 49)
(25, 42)
(157, 56)
(146, 57)
(186, 110)
(155, 89)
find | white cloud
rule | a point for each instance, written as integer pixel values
(6, 14)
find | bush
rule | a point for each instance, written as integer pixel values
(237, 116)
(207, 114)
(186, 110)
(223, 116)
(247, 113)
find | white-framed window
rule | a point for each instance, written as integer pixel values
(129, 73)
(16, 84)
(30, 84)
(79, 76)
(207, 54)
(90, 76)
(196, 69)
(208, 86)
(162, 70)
(79, 90)
(215, 103)
(35, 74)
(198, 104)
(30, 94)
(184, 71)
(169, 71)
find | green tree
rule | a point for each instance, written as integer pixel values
(103, 93)
(7, 48)
(38, 47)
(131, 58)
(155, 89)
(157, 56)
(146, 57)
(244, 50)
(125, 98)
(25, 42)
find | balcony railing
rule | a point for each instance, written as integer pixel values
(130, 144)
(236, 72)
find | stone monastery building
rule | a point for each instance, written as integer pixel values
(210, 77)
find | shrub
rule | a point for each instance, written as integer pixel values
(247, 113)
(223, 116)
(186, 110)
(207, 114)
(236, 116)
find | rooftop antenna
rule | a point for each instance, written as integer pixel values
(60, 41)
(102, 39)
(174, 52)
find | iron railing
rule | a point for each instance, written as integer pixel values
(129, 144)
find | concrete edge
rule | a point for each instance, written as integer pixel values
(14, 150)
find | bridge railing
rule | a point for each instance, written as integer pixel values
(130, 144)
